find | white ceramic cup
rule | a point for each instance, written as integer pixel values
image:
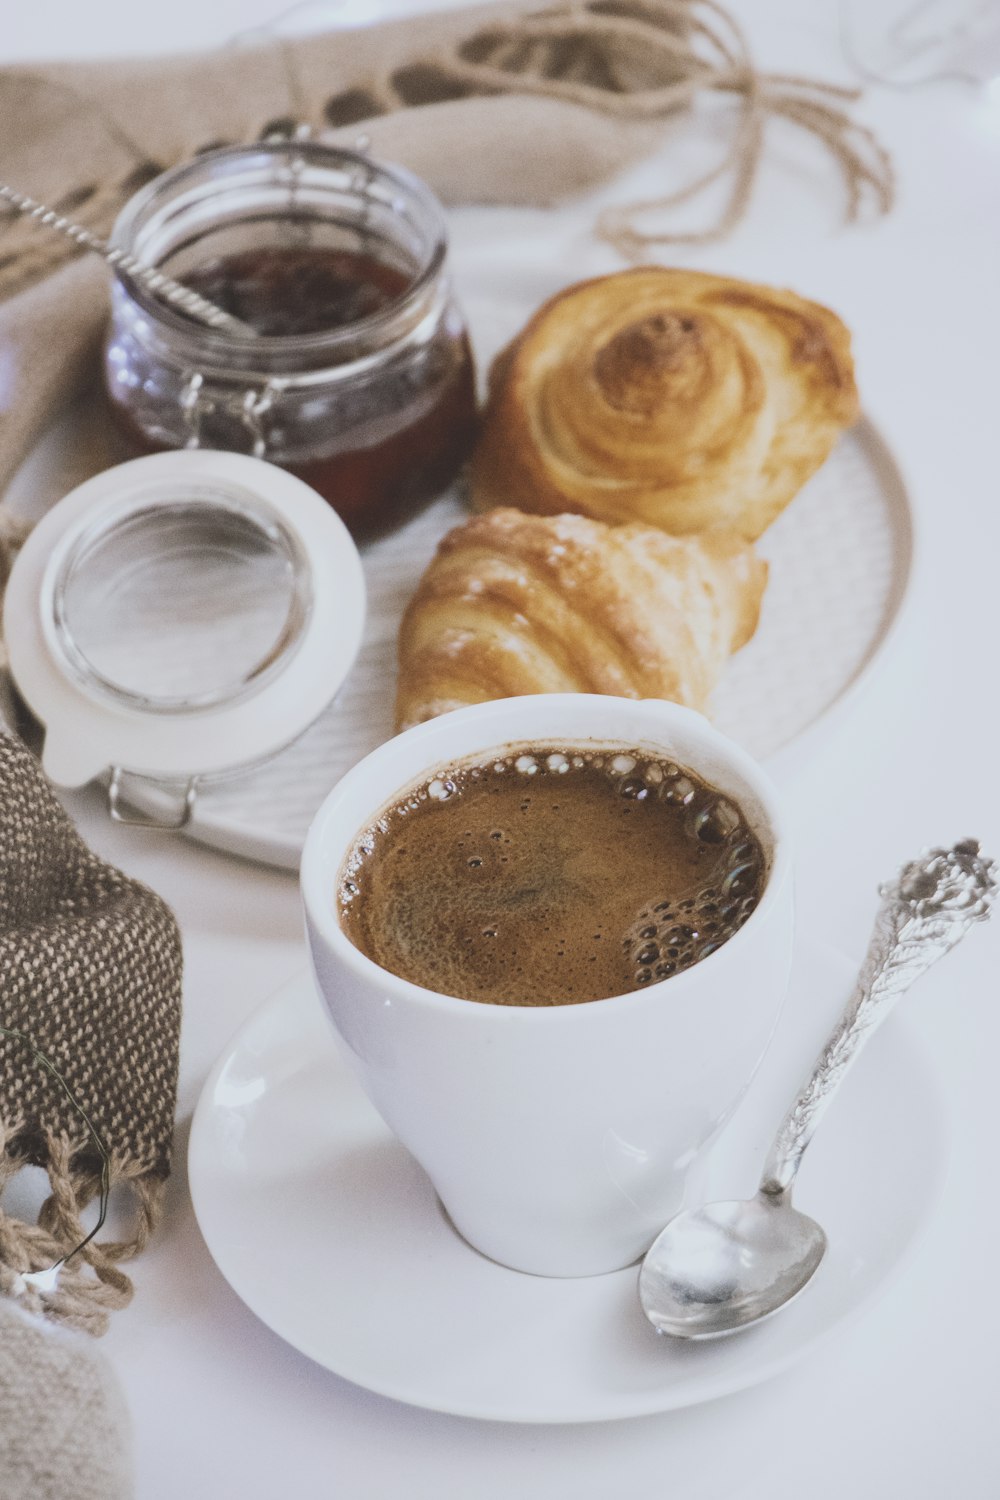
(559, 1139)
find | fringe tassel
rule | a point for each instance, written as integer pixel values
(89, 1286)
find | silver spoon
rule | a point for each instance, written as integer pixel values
(157, 283)
(718, 1268)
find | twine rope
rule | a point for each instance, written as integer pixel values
(700, 48)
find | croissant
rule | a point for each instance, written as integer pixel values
(513, 604)
(683, 400)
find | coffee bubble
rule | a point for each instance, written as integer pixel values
(714, 824)
(634, 789)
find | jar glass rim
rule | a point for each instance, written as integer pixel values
(208, 341)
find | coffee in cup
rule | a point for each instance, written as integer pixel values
(551, 875)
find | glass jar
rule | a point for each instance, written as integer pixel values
(360, 378)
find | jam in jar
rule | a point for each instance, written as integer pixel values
(359, 378)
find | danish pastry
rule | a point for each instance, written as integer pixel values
(682, 400)
(514, 603)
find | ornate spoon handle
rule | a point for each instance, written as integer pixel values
(157, 282)
(924, 912)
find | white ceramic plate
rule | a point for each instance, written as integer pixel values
(840, 560)
(333, 1236)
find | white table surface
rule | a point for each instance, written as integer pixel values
(902, 1403)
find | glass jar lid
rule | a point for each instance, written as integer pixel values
(181, 616)
(190, 602)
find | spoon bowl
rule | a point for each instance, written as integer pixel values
(725, 1265)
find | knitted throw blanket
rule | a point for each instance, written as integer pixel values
(90, 971)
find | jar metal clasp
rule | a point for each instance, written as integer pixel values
(250, 409)
(170, 822)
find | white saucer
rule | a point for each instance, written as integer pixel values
(333, 1236)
